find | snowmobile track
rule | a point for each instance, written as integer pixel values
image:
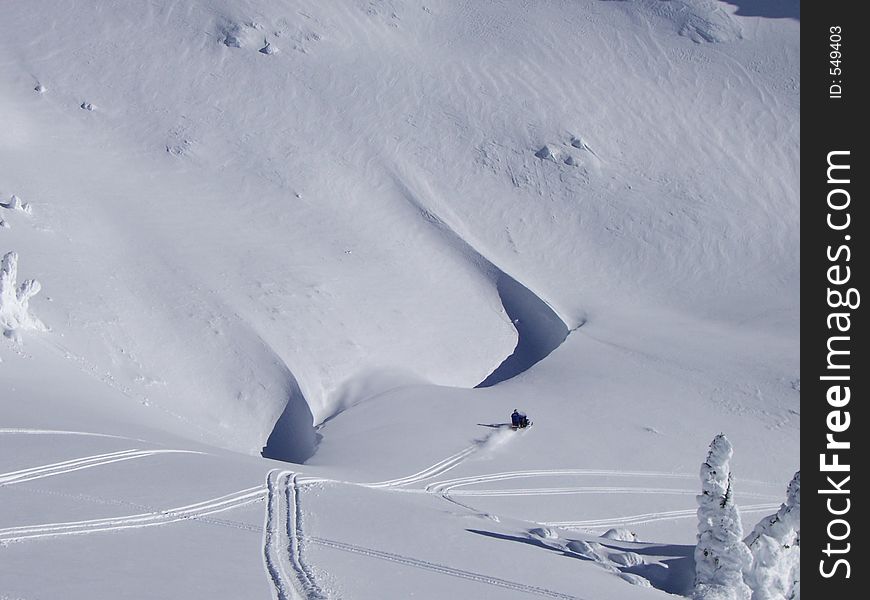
(443, 569)
(437, 469)
(648, 517)
(291, 578)
(20, 431)
(564, 491)
(197, 511)
(439, 487)
(567, 491)
(76, 464)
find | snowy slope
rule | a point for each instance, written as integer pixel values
(317, 227)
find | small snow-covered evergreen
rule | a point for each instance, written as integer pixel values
(775, 544)
(14, 300)
(721, 555)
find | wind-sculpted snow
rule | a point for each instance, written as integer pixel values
(298, 262)
(308, 231)
(539, 330)
(702, 21)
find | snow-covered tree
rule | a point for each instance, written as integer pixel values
(721, 555)
(775, 544)
(14, 299)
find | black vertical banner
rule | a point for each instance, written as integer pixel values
(834, 264)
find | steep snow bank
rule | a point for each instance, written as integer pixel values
(539, 330)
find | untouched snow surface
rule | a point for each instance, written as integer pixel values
(353, 236)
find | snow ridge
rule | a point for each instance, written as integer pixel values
(540, 330)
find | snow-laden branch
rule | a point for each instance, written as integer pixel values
(721, 555)
(14, 299)
(775, 543)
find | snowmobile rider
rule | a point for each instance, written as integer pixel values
(519, 419)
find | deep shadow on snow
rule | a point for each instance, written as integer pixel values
(771, 9)
(293, 438)
(673, 575)
(539, 329)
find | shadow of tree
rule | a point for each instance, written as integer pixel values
(770, 9)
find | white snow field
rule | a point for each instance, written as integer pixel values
(353, 236)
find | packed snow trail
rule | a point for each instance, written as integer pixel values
(21, 431)
(196, 511)
(567, 491)
(290, 576)
(77, 464)
(446, 464)
(437, 469)
(273, 549)
(440, 487)
(447, 490)
(648, 517)
(443, 569)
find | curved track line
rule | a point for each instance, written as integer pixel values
(68, 466)
(18, 430)
(438, 468)
(443, 569)
(585, 490)
(29, 470)
(200, 508)
(449, 484)
(282, 556)
(192, 511)
(648, 517)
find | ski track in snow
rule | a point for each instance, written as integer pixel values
(87, 462)
(443, 569)
(196, 511)
(282, 555)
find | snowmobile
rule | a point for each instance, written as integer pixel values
(519, 420)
